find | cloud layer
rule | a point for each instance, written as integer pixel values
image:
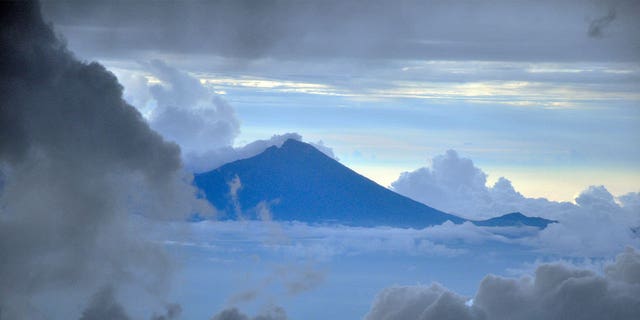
(555, 292)
(491, 74)
(419, 30)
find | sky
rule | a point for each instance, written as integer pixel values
(110, 107)
(544, 93)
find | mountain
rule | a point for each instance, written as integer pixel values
(515, 219)
(298, 182)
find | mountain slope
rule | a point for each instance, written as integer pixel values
(303, 184)
(299, 183)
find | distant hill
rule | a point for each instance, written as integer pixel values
(298, 182)
(515, 219)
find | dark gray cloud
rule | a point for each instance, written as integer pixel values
(230, 314)
(418, 302)
(597, 26)
(273, 313)
(556, 292)
(469, 30)
(103, 306)
(293, 279)
(306, 280)
(77, 162)
(172, 311)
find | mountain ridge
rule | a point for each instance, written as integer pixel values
(298, 182)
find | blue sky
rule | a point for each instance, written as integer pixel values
(544, 93)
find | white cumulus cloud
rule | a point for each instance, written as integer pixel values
(596, 224)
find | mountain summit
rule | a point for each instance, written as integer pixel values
(299, 183)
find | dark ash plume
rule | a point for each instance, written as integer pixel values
(597, 26)
(274, 313)
(76, 161)
(104, 306)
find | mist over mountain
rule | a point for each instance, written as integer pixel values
(298, 182)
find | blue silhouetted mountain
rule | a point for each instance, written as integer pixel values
(515, 219)
(299, 183)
